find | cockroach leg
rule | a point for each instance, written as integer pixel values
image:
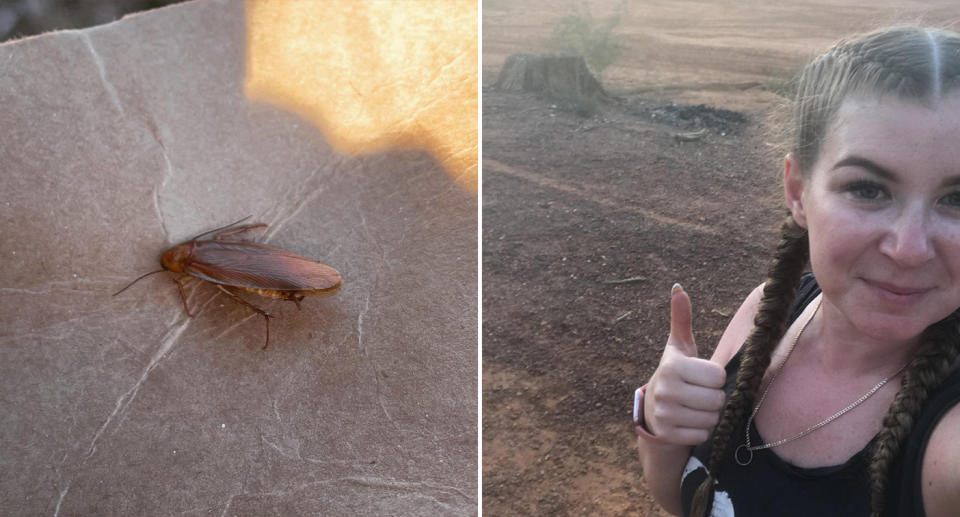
(179, 282)
(233, 231)
(294, 298)
(266, 315)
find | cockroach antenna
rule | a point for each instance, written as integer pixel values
(141, 277)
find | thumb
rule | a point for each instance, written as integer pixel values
(681, 322)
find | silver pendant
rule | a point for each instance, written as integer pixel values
(743, 459)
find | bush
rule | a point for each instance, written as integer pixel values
(580, 34)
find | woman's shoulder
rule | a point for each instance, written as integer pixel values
(739, 328)
(742, 322)
(941, 467)
(926, 478)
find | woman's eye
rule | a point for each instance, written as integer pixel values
(870, 191)
(952, 200)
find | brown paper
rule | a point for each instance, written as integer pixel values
(120, 140)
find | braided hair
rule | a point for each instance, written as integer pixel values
(769, 326)
(907, 63)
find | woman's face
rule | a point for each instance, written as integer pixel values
(882, 209)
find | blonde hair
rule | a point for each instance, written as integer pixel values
(907, 63)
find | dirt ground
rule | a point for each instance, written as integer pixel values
(588, 221)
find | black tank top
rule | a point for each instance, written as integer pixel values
(770, 486)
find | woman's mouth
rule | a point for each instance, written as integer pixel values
(895, 293)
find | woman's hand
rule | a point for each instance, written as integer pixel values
(685, 395)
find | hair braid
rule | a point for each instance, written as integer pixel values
(769, 326)
(931, 364)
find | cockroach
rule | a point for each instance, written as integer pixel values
(241, 265)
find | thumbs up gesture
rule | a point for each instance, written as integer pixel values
(685, 395)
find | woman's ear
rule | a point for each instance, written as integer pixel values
(793, 183)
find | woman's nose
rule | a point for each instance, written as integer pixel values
(909, 242)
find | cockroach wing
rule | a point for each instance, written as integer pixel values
(256, 266)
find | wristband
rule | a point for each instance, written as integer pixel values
(638, 419)
(638, 404)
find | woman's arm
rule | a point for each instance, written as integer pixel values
(941, 467)
(677, 412)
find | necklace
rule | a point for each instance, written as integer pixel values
(743, 455)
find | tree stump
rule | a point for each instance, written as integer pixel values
(558, 76)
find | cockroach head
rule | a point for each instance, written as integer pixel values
(175, 258)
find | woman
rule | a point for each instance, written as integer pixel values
(835, 393)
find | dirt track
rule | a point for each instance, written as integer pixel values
(588, 221)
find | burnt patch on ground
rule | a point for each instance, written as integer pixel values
(690, 117)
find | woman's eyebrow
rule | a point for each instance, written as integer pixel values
(872, 167)
(877, 170)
